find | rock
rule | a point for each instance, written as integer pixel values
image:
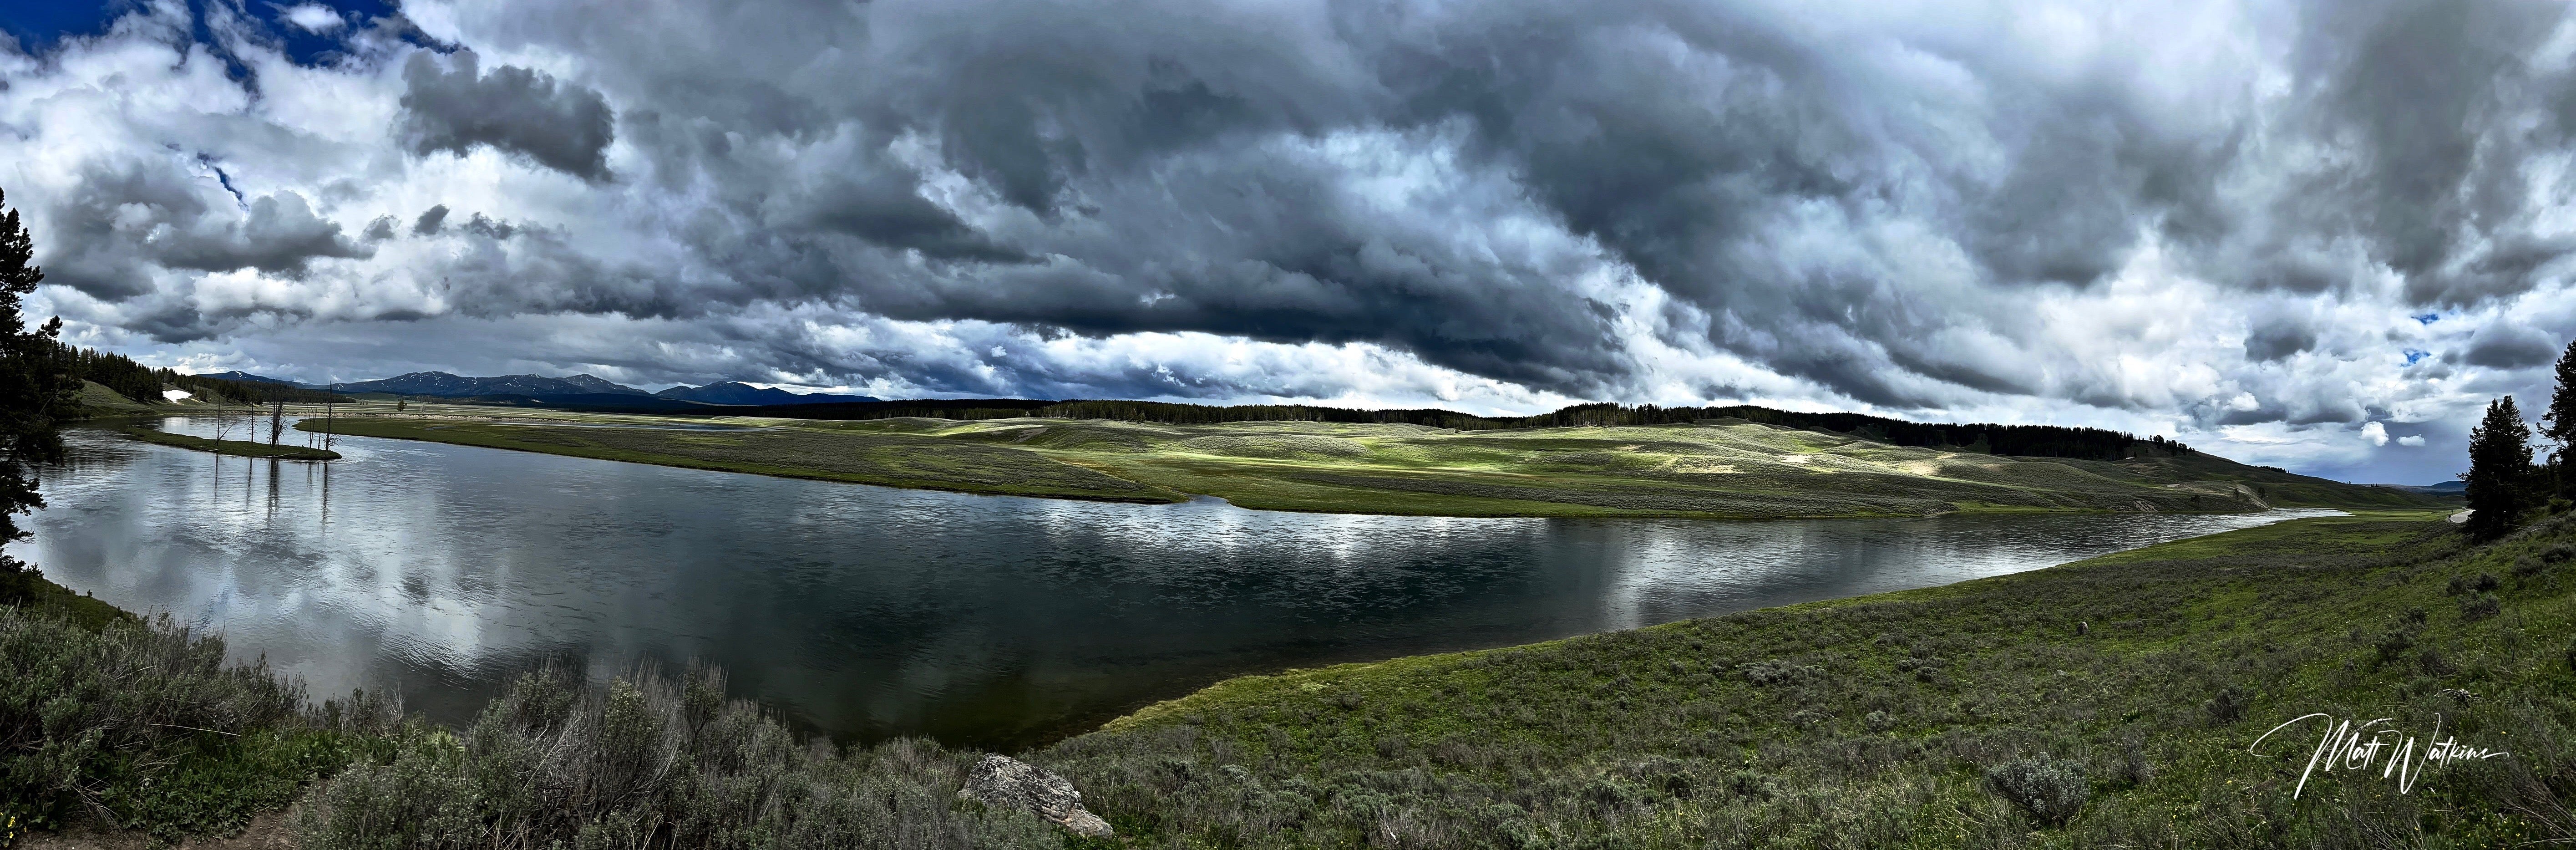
(1005, 782)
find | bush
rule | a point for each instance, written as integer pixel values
(141, 725)
(2227, 707)
(2393, 644)
(2480, 608)
(2051, 790)
(647, 761)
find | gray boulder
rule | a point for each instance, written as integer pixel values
(1005, 782)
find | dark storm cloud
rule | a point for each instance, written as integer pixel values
(2430, 105)
(1688, 142)
(559, 125)
(124, 222)
(2510, 346)
(279, 234)
(1913, 208)
(2279, 338)
(430, 221)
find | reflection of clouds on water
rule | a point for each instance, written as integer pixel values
(444, 569)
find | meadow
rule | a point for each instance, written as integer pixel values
(1737, 470)
(2138, 681)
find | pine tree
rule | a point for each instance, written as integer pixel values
(2500, 471)
(34, 382)
(2559, 424)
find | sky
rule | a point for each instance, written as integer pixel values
(2318, 235)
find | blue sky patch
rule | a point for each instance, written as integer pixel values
(302, 29)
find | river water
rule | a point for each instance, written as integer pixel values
(867, 612)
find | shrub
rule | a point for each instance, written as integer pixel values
(2480, 608)
(142, 724)
(2050, 790)
(1767, 673)
(2487, 583)
(647, 761)
(2228, 706)
(2393, 644)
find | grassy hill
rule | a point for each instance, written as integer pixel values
(1741, 470)
(1883, 720)
(95, 399)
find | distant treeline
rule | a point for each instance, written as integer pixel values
(144, 383)
(1200, 414)
(2020, 440)
(971, 408)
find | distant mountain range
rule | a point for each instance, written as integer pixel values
(584, 389)
(239, 375)
(737, 392)
(444, 385)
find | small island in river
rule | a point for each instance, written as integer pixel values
(240, 448)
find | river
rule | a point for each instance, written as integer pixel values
(441, 571)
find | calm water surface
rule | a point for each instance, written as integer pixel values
(865, 612)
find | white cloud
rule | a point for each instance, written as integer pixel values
(2410, 441)
(314, 18)
(2376, 433)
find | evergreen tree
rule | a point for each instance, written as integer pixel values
(2500, 470)
(2559, 423)
(33, 383)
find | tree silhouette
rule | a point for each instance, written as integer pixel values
(2500, 470)
(32, 385)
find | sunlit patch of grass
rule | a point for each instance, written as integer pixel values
(890, 459)
(1707, 471)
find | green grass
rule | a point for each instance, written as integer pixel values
(96, 400)
(892, 460)
(28, 589)
(1740, 471)
(229, 447)
(1871, 721)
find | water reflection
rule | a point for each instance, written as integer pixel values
(868, 612)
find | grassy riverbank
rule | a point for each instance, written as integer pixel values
(229, 447)
(1712, 471)
(1874, 721)
(887, 460)
(1886, 720)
